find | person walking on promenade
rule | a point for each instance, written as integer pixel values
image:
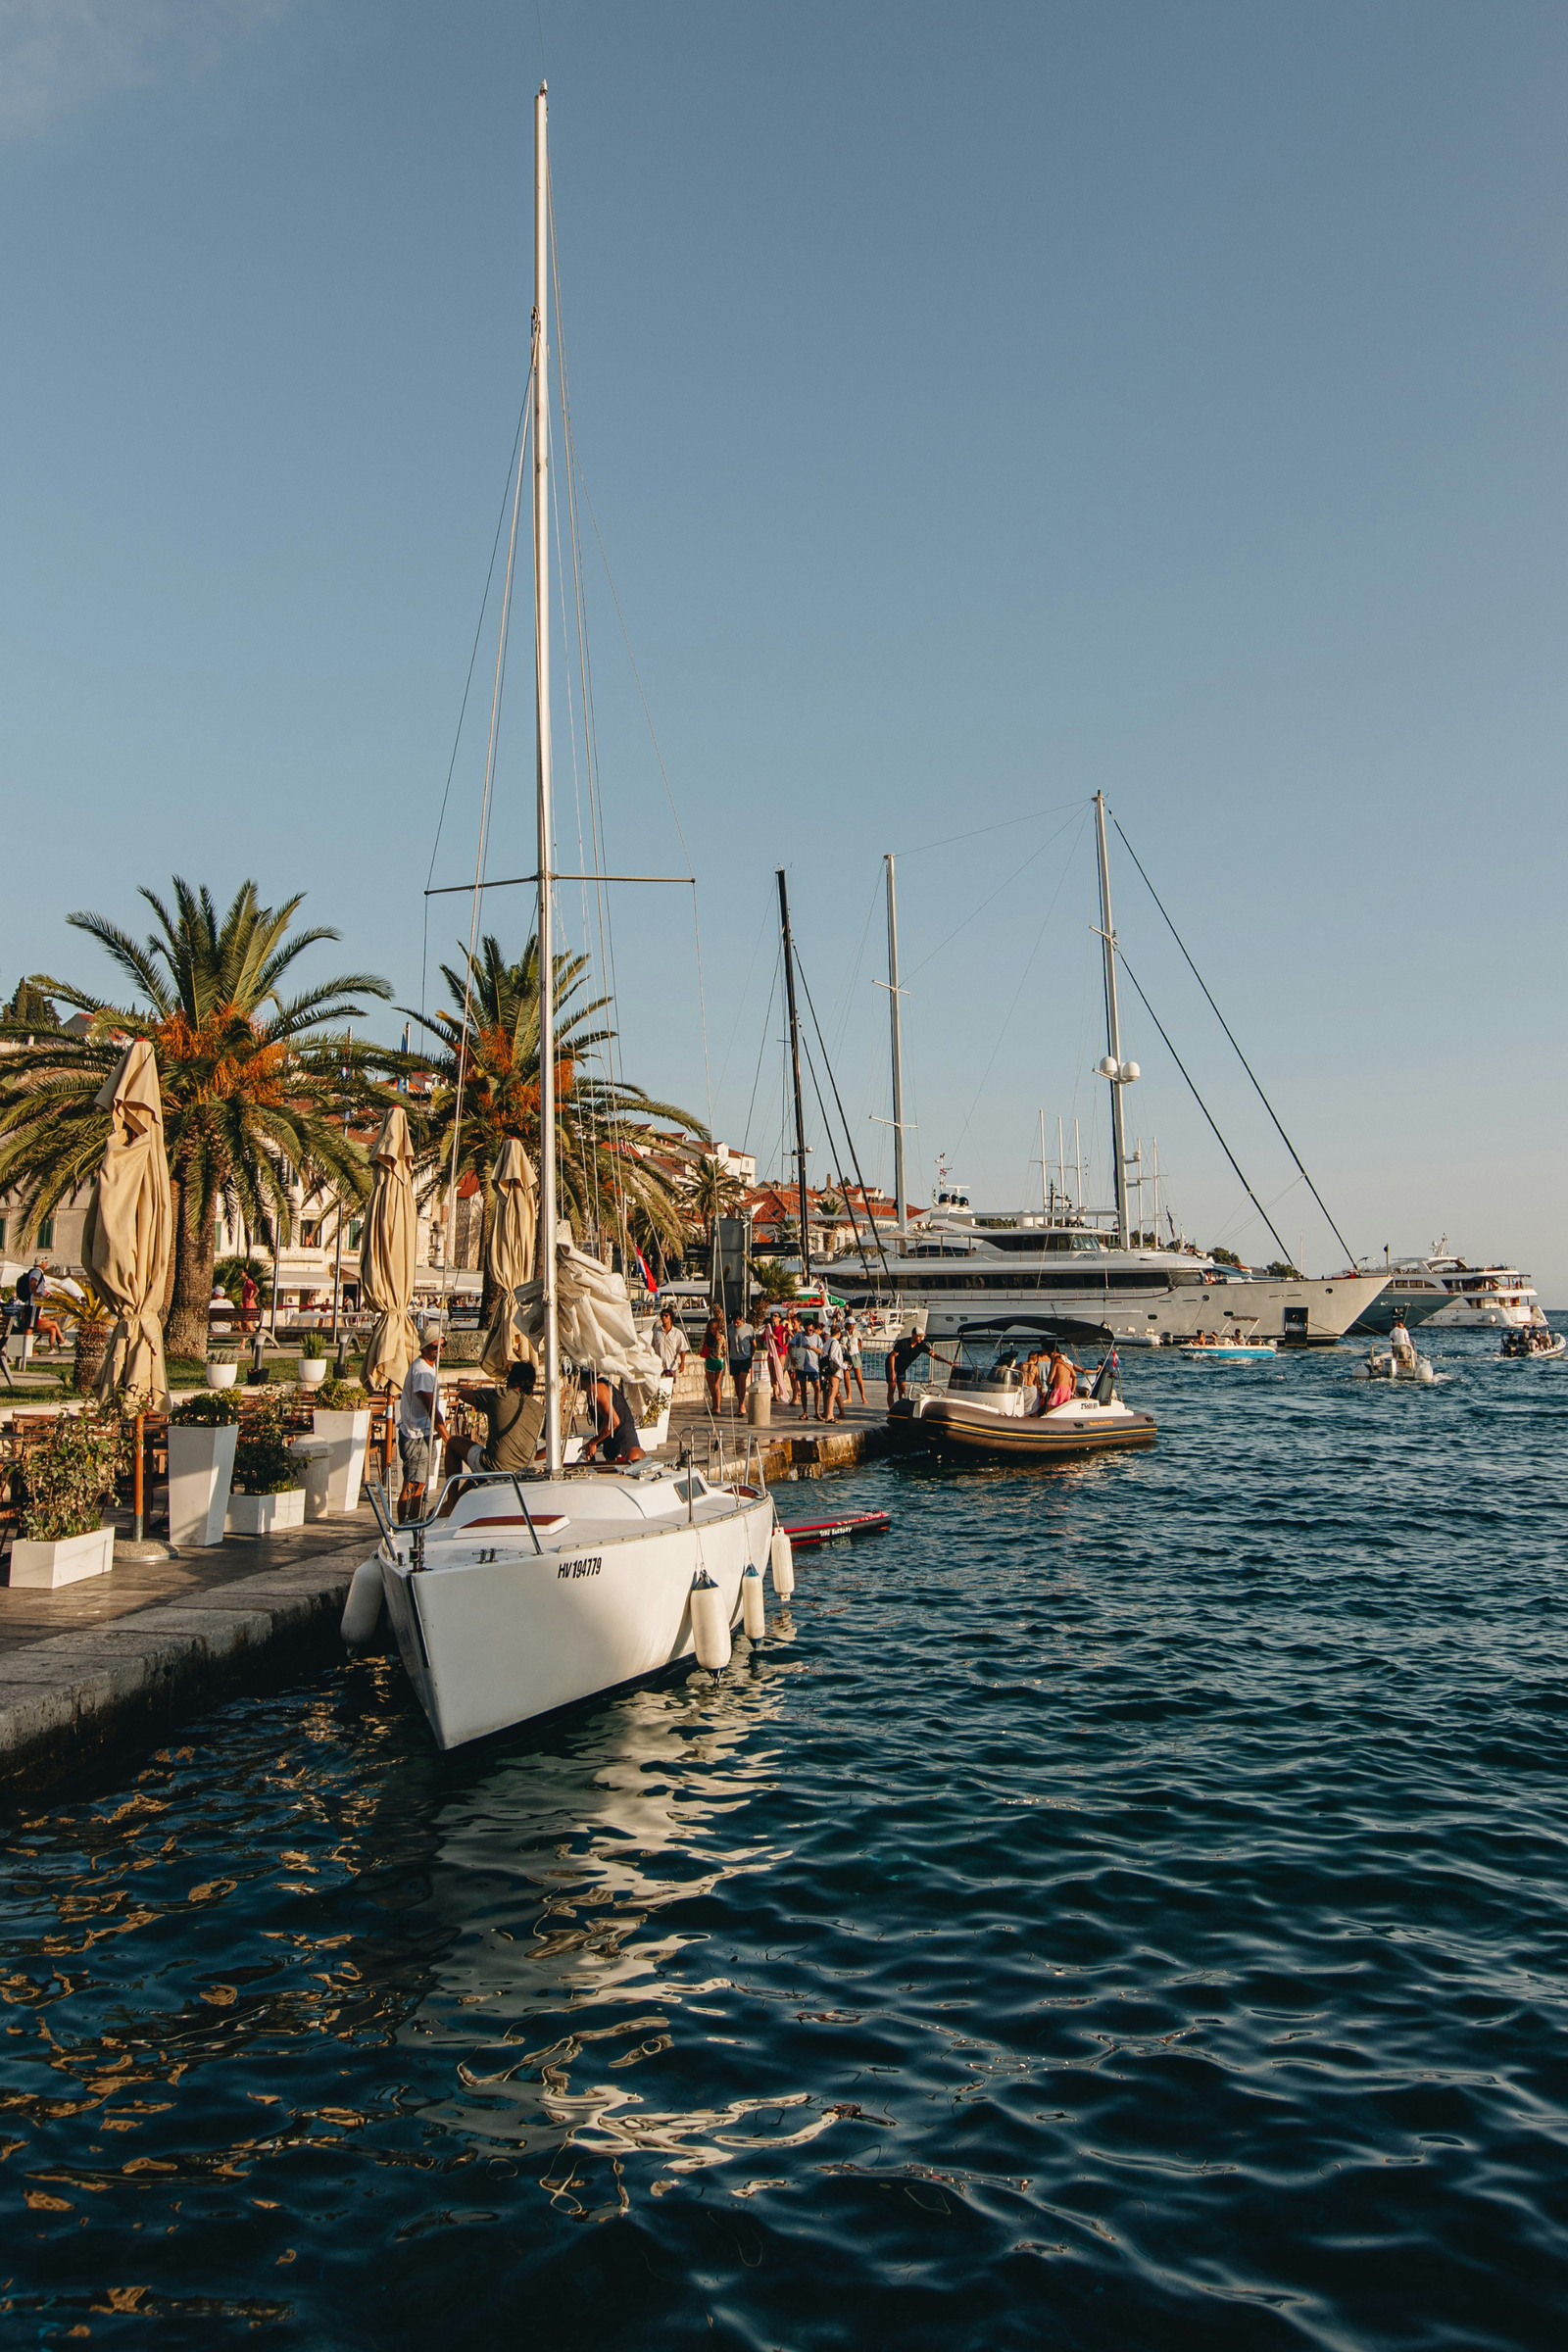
(810, 1374)
(852, 1357)
(833, 1375)
(779, 1357)
(713, 1363)
(669, 1341)
(742, 1347)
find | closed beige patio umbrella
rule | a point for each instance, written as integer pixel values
(387, 1243)
(509, 1254)
(129, 1228)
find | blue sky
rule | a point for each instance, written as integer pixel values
(979, 408)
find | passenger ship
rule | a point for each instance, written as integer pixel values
(962, 1265)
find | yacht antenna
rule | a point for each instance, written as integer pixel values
(1112, 1067)
(541, 641)
(795, 1064)
(1044, 1195)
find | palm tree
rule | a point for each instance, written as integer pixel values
(255, 1087)
(608, 1184)
(710, 1192)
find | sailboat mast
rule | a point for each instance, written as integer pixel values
(541, 641)
(795, 1066)
(1108, 938)
(900, 1202)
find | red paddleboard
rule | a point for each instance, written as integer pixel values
(831, 1531)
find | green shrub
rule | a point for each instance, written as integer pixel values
(312, 1346)
(342, 1397)
(212, 1409)
(263, 1465)
(65, 1477)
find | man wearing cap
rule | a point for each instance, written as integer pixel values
(419, 1423)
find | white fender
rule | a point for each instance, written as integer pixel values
(363, 1609)
(781, 1559)
(710, 1623)
(754, 1608)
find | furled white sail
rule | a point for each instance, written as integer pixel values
(594, 1323)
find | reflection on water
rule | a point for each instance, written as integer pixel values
(1120, 1908)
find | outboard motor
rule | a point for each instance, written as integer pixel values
(1106, 1385)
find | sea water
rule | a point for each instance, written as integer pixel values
(1123, 1907)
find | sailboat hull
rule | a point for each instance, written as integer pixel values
(495, 1635)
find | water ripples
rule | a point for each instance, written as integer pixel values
(1123, 1907)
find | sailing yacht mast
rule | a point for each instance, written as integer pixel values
(1112, 1067)
(899, 1203)
(541, 642)
(795, 1064)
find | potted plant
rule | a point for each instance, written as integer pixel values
(267, 1496)
(312, 1360)
(343, 1416)
(65, 1478)
(202, 1433)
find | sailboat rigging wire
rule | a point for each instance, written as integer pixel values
(606, 948)
(1240, 1056)
(1002, 826)
(1028, 966)
(767, 1022)
(740, 1005)
(1199, 1099)
(995, 894)
(844, 1122)
(827, 1130)
(479, 856)
(473, 655)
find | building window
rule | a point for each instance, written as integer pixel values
(46, 1234)
(355, 1228)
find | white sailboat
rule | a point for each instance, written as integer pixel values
(521, 1595)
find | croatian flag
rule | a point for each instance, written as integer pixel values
(648, 1284)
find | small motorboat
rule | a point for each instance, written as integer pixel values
(838, 1531)
(1229, 1351)
(1534, 1341)
(987, 1413)
(1382, 1364)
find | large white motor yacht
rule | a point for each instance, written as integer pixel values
(963, 1265)
(1479, 1297)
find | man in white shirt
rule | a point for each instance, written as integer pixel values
(670, 1341)
(1400, 1339)
(419, 1423)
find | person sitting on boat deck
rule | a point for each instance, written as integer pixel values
(419, 1423)
(1400, 1339)
(614, 1438)
(1064, 1381)
(901, 1358)
(514, 1419)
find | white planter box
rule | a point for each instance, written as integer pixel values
(266, 1514)
(44, 1566)
(222, 1376)
(349, 1435)
(201, 1464)
(312, 1371)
